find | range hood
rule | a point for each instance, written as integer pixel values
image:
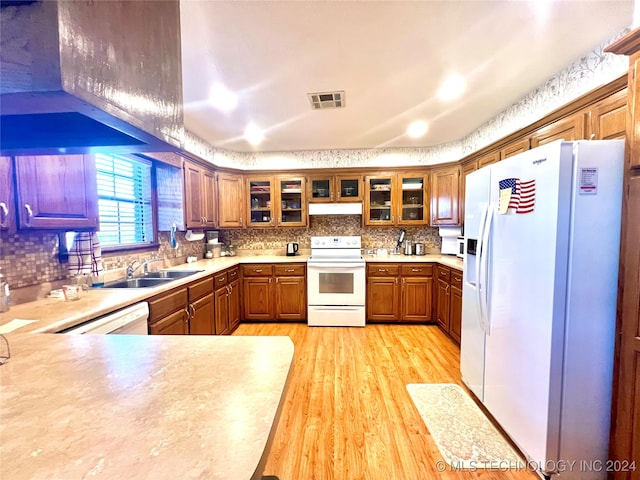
(335, 209)
(88, 76)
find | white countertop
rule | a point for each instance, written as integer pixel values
(134, 407)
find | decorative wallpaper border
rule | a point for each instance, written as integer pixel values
(589, 72)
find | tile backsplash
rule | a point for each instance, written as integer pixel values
(275, 239)
(31, 258)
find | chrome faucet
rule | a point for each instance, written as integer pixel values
(145, 265)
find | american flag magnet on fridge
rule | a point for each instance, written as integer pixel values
(517, 196)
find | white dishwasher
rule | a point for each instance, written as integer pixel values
(128, 321)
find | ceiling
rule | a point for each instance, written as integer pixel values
(389, 57)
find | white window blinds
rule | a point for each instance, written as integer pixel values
(124, 200)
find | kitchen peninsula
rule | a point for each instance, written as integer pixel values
(120, 406)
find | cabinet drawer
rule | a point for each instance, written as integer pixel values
(456, 278)
(200, 289)
(289, 270)
(257, 270)
(383, 270)
(219, 280)
(444, 273)
(416, 270)
(233, 274)
(166, 303)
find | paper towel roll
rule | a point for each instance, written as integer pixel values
(445, 232)
(194, 236)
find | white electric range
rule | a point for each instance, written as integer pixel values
(336, 284)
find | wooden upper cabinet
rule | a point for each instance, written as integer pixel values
(608, 118)
(291, 205)
(488, 159)
(569, 129)
(467, 168)
(634, 111)
(334, 188)
(412, 199)
(260, 201)
(7, 204)
(200, 194)
(445, 192)
(57, 192)
(379, 199)
(231, 202)
(515, 148)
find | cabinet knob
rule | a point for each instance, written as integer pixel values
(27, 207)
(4, 214)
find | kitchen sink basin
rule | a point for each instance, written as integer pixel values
(171, 274)
(151, 279)
(138, 283)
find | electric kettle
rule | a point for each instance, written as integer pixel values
(292, 248)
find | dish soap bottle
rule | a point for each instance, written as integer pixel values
(4, 295)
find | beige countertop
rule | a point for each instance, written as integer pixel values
(447, 260)
(53, 315)
(126, 406)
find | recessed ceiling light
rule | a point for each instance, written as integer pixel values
(417, 129)
(452, 88)
(253, 134)
(222, 98)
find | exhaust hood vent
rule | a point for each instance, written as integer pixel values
(335, 209)
(322, 100)
(87, 76)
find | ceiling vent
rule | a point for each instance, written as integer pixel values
(322, 100)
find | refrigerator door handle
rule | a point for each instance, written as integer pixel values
(484, 271)
(479, 254)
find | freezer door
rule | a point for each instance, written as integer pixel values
(472, 342)
(527, 271)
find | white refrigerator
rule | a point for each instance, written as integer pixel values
(542, 233)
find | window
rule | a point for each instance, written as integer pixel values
(124, 200)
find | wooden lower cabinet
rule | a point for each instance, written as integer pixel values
(186, 310)
(399, 293)
(176, 323)
(274, 292)
(227, 301)
(449, 301)
(383, 299)
(455, 307)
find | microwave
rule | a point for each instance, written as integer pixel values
(460, 248)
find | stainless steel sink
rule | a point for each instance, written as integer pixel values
(138, 283)
(172, 274)
(151, 279)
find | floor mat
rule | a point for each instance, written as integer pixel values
(465, 437)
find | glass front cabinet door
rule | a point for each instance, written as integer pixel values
(320, 189)
(348, 188)
(260, 202)
(412, 199)
(292, 210)
(379, 208)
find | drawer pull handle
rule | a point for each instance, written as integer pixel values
(290, 270)
(382, 270)
(4, 214)
(416, 269)
(258, 270)
(27, 207)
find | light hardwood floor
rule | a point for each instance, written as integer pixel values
(347, 414)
